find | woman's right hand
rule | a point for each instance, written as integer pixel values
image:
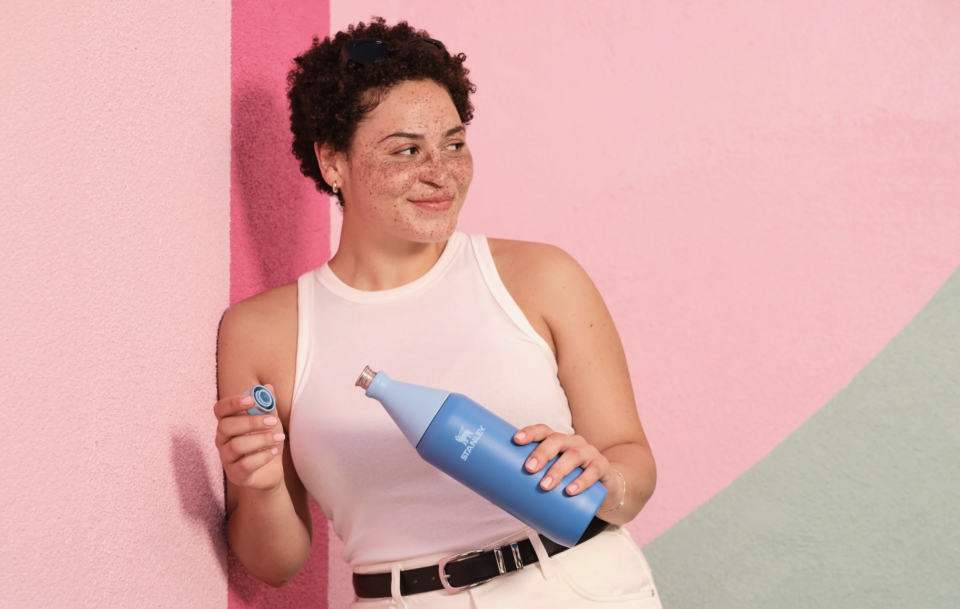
(250, 446)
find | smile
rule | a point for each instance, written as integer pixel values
(443, 205)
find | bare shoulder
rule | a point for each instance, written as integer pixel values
(544, 280)
(267, 305)
(256, 319)
(515, 251)
(542, 270)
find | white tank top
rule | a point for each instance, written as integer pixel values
(455, 328)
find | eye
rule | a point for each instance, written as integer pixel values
(458, 145)
(407, 150)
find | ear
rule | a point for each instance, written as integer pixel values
(332, 163)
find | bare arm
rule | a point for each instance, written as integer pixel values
(565, 307)
(269, 526)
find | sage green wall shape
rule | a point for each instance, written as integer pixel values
(860, 507)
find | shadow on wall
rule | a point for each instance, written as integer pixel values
(202, 505)
(198, 498)
(273, 193)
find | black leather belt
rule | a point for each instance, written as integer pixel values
(466, 570)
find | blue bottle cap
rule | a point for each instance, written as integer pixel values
(263, 402)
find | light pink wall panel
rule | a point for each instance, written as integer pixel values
(279, 222)
(114, 174)
(765, 193)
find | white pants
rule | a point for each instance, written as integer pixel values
(608, 570)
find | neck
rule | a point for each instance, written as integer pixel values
(373, 260)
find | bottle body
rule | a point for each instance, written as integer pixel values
(475, 447)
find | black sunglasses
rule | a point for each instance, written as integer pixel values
(368, 50)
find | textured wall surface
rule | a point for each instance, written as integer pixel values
(279, 226)
(114, 169)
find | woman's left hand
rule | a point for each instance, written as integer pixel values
(576, 453)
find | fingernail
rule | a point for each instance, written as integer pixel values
(274, 450)
(246, 400)
(269, 421)
(546, 481)
(532, 463)
(520, 435)
(572, 488)
(278, 436)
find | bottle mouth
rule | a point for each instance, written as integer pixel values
(366, 377)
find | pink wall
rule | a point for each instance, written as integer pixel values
(279, 223)
(114, 274)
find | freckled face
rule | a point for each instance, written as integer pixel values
(409, 165)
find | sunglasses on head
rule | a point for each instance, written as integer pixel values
(368, 50)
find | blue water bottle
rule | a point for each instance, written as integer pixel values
(475, 447)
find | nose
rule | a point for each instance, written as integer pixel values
(434, 171)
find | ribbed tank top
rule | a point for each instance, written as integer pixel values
(454, 328)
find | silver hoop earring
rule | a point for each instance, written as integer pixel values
(335, 187)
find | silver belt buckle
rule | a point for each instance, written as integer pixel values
(444, 577)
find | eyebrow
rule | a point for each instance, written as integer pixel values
(417, 136)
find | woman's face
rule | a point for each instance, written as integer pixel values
(408, 168)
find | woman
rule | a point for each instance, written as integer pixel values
(517, 326)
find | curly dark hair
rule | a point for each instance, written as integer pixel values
(328, 100)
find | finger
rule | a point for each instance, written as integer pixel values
(245, 467)
(567, 462)
(239, 446)
(232, 405)
(549, 448)
(591, 473)
(229, 427)
(532, 433)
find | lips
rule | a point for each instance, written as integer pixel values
(434, 203)
(434, 199)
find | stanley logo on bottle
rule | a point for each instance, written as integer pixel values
(464, 437)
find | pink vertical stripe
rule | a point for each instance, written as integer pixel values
(279, 222)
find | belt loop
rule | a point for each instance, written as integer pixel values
(546, 567)
(395, 586)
